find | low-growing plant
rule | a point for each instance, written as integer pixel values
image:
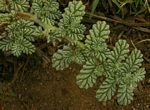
(27, 20)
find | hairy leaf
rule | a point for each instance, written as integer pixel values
(119, 52)
(19, 5)
(139, 75)
(5, 17)
(22, 45)
(78, 57)
(87, 77)
(106, 90)
(62, 58)
(47, 10)
(70, 23)
(125, 94)
(133, 62)
(4, 7)
(95, 48)
(6, 44)
(100, 30)
(22, 28)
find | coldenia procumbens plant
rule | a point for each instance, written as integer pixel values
(27, 20)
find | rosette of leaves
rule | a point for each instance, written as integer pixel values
(25, 21)
(116, 66)
(19, 36)
(44, 15)
(122, 70)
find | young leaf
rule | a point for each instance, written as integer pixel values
(19, 5)
(95, 42)
(22, 45)
(70, 23)
(96, 48)
(6, 44)
(139, 75)
(78, 57)
(106, 90)
(62, 58)
(100, 30)
(133, 62)
(87, 77)
(125, 94)
(46, 10)
(119, 52)
(4, 7)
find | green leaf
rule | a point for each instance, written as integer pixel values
(23, 28)
(18, 39)
(6, 44)
(133, 62)
(99, 70)
(5, 17)
(19, 5)
(139, 75)
(117, 56)
(4, 7)
(87, 77)
(22, 46)
(16, 50)
(94, 5)
(76, 10)
(46, 10)
(119, 52)
(62, 58)
(78, 57)
(76, 32)
(100, 30)
(53, 35)
(95, 43)
(27, 46)
(125, 94)
(106, 90)
(96, 48)
(70, 23)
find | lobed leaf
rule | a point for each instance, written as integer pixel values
(125, 94)
(19, 5)
(4, 7)
(100, 30)
(22, 46)
(6, 44)
(62, 58)
(139, 75)
(23, 28)
(87, 77)
(106, 90)
(70, 23)
(119, 52)
(78, 57)
(46, 10)
(96, 48)
(133, 62)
